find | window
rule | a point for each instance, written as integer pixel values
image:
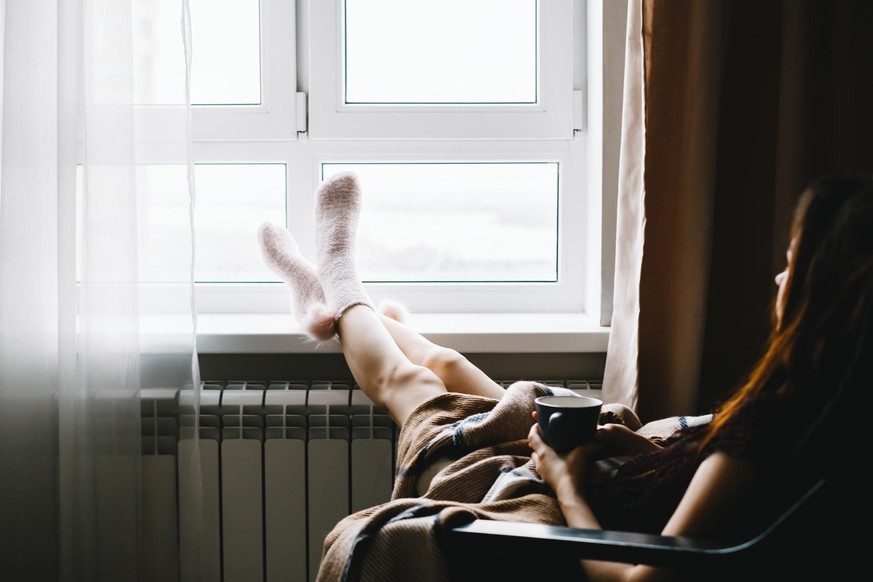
(476, 222)
(225, 253)
(463, 118)
(441, 69)
(483, 64)
(228, 66)
(243, 84)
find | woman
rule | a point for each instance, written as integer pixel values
(464, 440)
(727, 478)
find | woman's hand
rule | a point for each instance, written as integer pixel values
(565, 474)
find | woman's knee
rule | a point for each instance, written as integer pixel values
(444, 362)
(414, 375)
(407, 377)
(402, 388)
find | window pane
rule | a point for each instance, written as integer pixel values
(232, 202)
(464, 222)
(226, 60)
(441, 51)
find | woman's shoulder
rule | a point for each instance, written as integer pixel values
(764, 428)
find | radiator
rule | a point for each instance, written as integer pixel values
(282, 463)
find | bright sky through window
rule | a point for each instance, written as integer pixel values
(226, 67)
(457, 221)
(441, 51)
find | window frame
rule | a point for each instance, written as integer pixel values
(562, 295)
(275, 118)
(245, 134)
(303, 162)
(551, 118)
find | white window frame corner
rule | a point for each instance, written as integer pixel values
(275, 118)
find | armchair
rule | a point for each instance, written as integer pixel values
(814, 538)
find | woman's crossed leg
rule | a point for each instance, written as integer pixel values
(396, 367)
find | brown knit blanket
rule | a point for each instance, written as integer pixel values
(458, 457)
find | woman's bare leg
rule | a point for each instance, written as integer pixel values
(457, 373)
(282, 255)
(396, 367)
(380, 368)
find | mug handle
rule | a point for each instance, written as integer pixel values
(555, 427)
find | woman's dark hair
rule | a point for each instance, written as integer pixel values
(826, 299)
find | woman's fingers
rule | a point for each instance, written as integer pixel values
(533, 436)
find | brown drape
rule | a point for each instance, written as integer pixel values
(746, 101)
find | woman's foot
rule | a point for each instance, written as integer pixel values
(337, 207)
(282, 255)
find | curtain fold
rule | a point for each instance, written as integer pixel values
(620, 380)
(745, 103)
(83, 329)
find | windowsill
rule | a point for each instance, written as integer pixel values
(465, 332)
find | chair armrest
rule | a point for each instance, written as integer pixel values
(630, 547)
(613, 546)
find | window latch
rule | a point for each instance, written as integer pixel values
(301, 113)
(578, 112)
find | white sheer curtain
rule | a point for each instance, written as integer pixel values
(81, 332)
(621, 374)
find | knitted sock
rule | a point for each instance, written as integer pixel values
(337, 206)
(282, 255)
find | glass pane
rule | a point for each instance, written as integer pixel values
(232, 202)
(470, 222)
(441, 51)
(226, 57)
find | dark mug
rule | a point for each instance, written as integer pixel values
(567, 421)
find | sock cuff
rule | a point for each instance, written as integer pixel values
(348, 305)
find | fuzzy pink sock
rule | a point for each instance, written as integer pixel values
(337, 207)
(281, 253)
